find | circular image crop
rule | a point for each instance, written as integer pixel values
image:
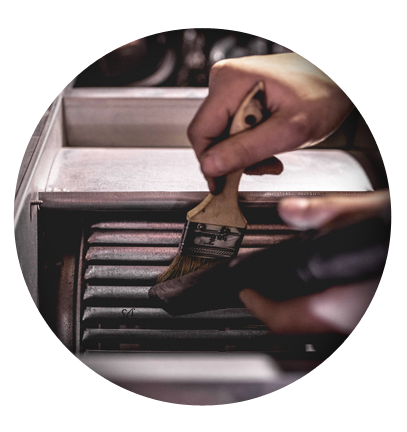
(202, 216)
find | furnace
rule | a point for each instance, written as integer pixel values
(100, 204)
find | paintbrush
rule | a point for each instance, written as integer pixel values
(310, 263)
(214, 229)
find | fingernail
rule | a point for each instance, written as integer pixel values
(297, 205)
(219, 184)
(212, 186)
(295, 212)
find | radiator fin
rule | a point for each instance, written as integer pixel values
(122, 261)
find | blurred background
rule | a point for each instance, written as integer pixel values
(180, 58)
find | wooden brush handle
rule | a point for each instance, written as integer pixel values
(223, 209)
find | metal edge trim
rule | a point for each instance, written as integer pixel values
(159, 201)
(136, 93)
(19, 200)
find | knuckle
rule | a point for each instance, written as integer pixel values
(220, 69)
(232, 155)
(191, 133)
(195, 133)
(245, 154)
(211, 166)
(301, 128)
(220, 66)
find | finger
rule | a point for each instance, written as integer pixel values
(269, 166)
(212, 118)
(288, 317)
(279, 133)
(343, 306)
(337, 309)
(219, 183)
(306, 213)
(215, 184)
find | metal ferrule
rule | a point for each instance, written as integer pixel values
(210, 241)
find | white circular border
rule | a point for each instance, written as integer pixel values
(360, 46)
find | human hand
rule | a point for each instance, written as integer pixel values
(339, 308)
(306, 106)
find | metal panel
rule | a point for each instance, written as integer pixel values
(159, 201)
(177, 170)
(163, 255)
(173, 367)
(258, 339)
(130, 117)
(173, 238)
(193, 379)
(128, 253)
(34, 182)
(139, 225)
(30, 150)
(136, 237)
(135, 335)
(118, 315)
(109, 303)
(136, 294)
(173, 226)
(146, 274)
(141, 316)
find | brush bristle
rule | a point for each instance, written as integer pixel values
(183, 265)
